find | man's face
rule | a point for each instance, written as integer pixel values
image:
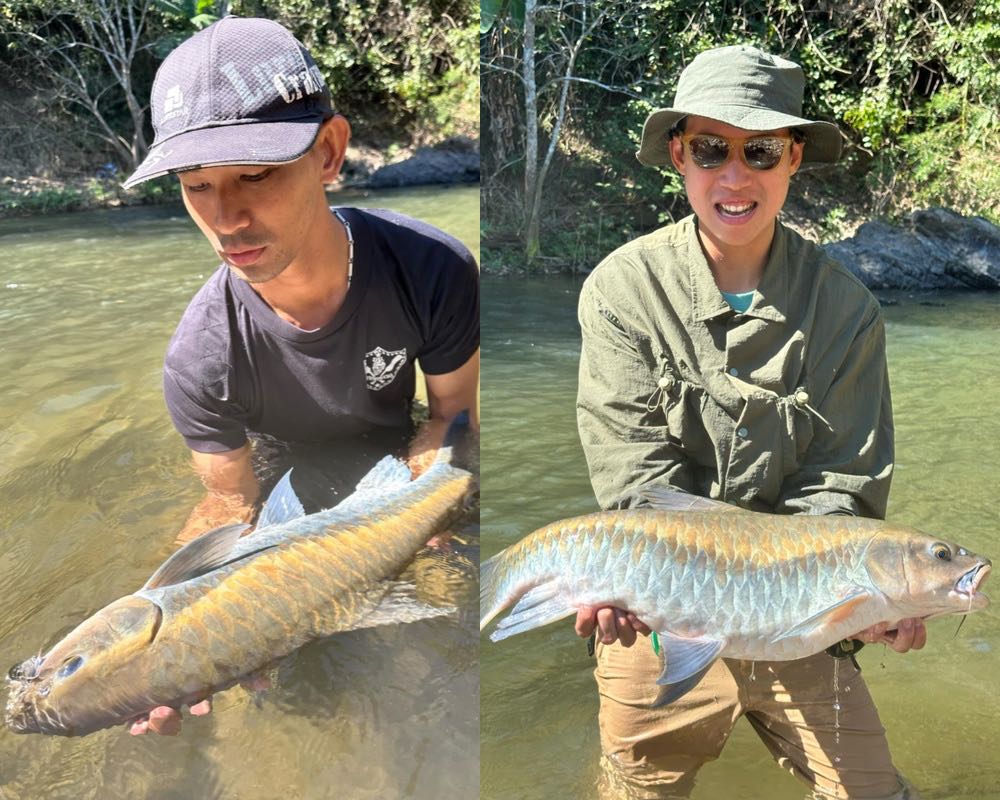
(735, 204)
(260, 219)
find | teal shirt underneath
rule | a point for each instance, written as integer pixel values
(739, 301)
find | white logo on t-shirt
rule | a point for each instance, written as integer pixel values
(382, 366)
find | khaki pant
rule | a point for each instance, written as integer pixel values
(657, 752)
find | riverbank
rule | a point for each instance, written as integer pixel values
(452, 161)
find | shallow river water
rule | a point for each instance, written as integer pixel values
(95, 484)
(941, 705)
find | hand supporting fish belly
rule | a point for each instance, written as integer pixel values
(609, 625)
(717, 582)
(224, 606)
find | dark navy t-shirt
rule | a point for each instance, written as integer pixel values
(234, 366)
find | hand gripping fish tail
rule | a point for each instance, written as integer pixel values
(718, 582)
(197, 626)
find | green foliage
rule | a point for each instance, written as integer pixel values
(913, 85)
(47, 200)
(391, 64)
(401, 70)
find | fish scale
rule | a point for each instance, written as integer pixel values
(747, 585)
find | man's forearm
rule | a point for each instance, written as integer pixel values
(428, 440)
(215, 510)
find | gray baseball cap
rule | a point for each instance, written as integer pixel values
(241, 91)
(744, 87)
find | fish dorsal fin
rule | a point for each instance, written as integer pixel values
(389, 473)
(197, 557)
(282, 505)
(831, 615)
(670, 500)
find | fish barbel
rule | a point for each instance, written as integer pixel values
(223, 606)
(719, 582)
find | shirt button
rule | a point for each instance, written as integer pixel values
(743, 433)
(734, 372)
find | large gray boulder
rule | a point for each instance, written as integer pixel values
(454, 161)
(932, 249)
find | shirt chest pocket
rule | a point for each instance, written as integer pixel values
(681, 400)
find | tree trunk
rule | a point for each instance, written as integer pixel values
(531, 206)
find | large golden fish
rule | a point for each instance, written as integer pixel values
(718, 582)
(224, 606)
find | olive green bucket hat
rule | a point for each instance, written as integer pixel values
(744, 87)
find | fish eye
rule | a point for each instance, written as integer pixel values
(941, 551)
(16, 673)
(70, 665)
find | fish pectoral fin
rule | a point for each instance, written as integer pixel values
(687, 661)
(398, 605)
(830, 615)
(543, 604)
(282, 505)
(208, 551)
(670, 500)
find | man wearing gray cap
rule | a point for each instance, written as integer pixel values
(310, 330)
(726, 356)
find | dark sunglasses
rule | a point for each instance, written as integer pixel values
(709, 151)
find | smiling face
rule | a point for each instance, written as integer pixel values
(736, 206)
(262, 219)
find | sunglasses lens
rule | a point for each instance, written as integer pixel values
(708, 152)
(764, 153)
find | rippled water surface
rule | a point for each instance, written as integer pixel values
(941, 706)
(95, 484)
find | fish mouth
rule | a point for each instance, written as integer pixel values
(968, 585)
(21, 715)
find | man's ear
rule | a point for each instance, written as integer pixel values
(676, 147)
(331, 143)
(796, 157)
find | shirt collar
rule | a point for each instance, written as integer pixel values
(772, 291)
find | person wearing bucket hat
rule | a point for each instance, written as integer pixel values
(726, 356)
(310, 330)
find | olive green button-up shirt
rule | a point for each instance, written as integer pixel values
(782, 408)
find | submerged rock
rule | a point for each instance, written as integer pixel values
(931, 249)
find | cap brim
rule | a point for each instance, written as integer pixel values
(223, 145)
(822, 146)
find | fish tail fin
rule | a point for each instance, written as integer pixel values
(460, 447)
(491, 595)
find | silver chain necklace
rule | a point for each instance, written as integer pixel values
(350, 245)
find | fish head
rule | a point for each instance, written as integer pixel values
(925, 576)
(71, 690)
